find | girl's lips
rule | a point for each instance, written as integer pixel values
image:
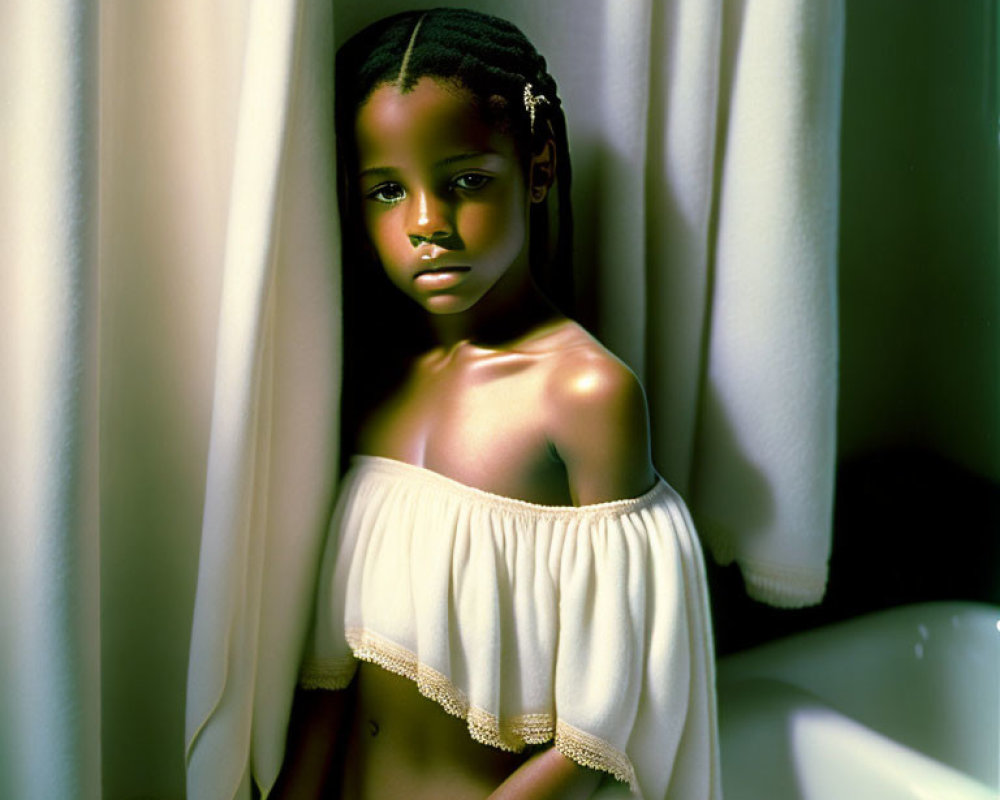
(440, 277)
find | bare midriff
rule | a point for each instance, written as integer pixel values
(403, 745)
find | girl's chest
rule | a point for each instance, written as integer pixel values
(483, 427)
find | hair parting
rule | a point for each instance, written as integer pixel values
(401, 78)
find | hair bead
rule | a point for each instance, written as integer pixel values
(531, 101)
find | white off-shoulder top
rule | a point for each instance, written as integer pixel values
(586, 625)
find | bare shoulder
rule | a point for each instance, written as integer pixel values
(598, 421)
(585, 375)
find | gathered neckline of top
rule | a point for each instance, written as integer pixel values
(392, 465)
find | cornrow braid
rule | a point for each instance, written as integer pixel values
(495, 62)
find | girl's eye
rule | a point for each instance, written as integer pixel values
(471, 181)
(386, 193)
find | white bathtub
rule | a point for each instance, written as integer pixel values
(899, 705)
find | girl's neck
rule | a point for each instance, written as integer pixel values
(504, 315)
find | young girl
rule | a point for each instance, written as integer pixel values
(513, 600)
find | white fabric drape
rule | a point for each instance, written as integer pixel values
(764, 452)
(704, 142)
(49, 603)
(273, 443)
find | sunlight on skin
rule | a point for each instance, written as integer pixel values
(587, 383)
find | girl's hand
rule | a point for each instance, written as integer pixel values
(316, 744)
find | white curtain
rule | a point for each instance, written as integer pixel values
(49, 606)
(704, 144)
(272, 454)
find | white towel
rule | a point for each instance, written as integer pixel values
(765, 455)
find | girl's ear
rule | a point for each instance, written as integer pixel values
(542, 171)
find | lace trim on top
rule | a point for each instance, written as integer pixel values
(511, 734)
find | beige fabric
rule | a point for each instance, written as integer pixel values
(587, 626)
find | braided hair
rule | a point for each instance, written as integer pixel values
(496, 63)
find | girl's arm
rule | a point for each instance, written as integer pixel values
(600, 429)
(317, 738)
(548, 775)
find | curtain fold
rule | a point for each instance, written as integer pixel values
(680, 163)
(273, 441)
(49, 569)
(169, 79)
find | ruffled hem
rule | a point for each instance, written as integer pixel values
(512, 734)
(778, 585)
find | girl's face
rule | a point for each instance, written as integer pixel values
(443, 195)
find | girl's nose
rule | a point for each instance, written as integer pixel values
(431, 220)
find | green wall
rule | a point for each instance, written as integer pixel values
(919, 276)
